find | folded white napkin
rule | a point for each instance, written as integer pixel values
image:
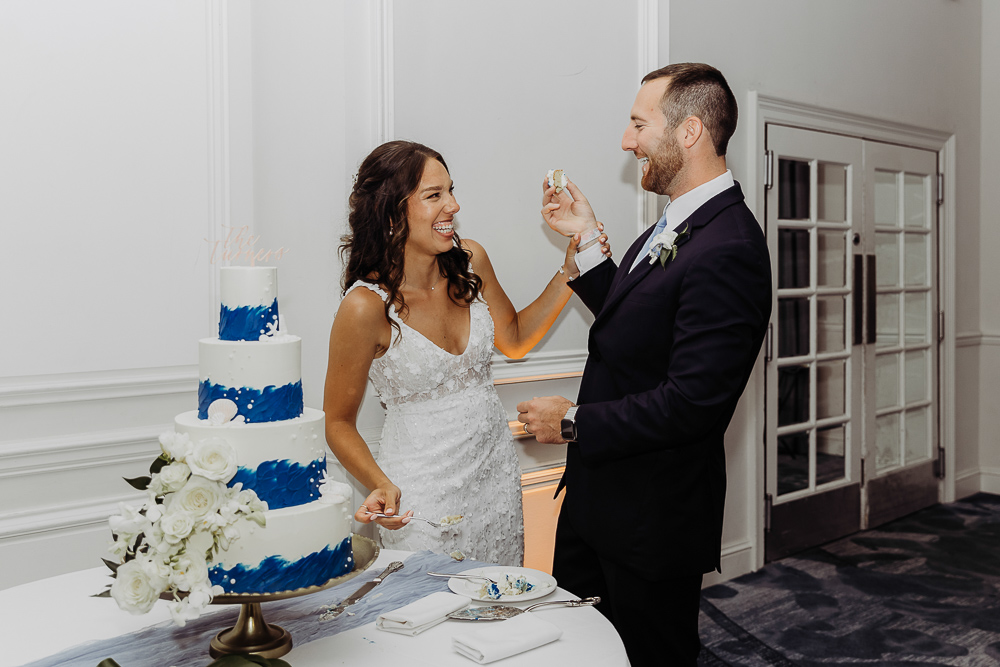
(489, 641)
(426, 612)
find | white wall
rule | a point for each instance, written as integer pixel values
(987, 368)
(111, 124)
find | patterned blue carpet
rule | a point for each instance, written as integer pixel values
(922, 590)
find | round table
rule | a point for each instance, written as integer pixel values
(45, 617)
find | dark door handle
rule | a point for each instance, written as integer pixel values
(870, 297)
(859, 299)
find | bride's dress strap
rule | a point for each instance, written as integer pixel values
(375, 288)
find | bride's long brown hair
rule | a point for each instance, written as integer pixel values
(375, 247)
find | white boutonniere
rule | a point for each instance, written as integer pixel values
(664, 245)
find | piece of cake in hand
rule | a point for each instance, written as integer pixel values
(557, 179)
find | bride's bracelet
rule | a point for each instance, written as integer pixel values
(588, 236)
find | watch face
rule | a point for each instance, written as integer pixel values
(568, 428)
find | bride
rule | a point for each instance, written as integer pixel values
(421, 312)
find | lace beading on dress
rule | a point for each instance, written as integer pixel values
(446, 444)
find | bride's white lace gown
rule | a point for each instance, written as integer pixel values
(446, 443)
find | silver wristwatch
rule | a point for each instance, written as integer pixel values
(568, 425)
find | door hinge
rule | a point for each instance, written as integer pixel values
(768, 170)
(939, 464)
(769, 343)
(768, 503)
(940, 332)
(940, 188)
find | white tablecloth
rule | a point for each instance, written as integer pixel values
(48, 616)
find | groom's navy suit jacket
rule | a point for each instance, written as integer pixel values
(670, 352)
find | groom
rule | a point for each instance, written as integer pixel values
(677, 329)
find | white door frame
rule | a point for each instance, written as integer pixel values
(763, 109)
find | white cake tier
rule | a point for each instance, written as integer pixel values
(237, 363)
(263, 378)
(298, 547)
(282, 461)
(248, 286)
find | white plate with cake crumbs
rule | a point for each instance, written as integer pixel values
(514, 584)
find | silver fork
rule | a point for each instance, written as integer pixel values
(418, 518)
(463, 576)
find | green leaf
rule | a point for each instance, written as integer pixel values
(158, 464)
(106, 593)
(108, 662)
(113, 566)
(141, 483)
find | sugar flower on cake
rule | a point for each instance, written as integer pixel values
(189, 515)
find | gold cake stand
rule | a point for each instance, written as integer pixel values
(253, 636)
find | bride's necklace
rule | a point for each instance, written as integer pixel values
(436, 283)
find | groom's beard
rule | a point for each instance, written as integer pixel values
(664, 167)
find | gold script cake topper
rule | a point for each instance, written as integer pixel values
(239, 244)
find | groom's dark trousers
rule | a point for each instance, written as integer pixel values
(670, 352)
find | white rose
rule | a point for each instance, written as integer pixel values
(173, 476)
(213, 459)
(175, 445)
(198, 497)
(136, 587)
(176, 526)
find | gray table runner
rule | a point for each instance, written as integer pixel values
(167, 645)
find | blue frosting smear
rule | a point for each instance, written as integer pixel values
(270, 404)
(283, 483)
(276, 574)
(246, 322)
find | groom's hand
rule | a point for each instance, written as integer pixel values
(568, 212)
(542, 417)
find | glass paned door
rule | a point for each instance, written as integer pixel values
(901, 230)
(812, 461)
(851, 379)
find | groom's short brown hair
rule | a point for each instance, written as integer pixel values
(697, 89)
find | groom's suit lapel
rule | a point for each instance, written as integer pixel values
(626, 280)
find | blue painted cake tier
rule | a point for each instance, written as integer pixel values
(283, 483)
(246, 322)
(275, 574)
(270, 404)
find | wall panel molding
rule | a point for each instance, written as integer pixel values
(383, 58)
(977, 338)
(217, 75)
(44, 456)
(69, 518)
(98, 385)
(538, 366)
(648, 59)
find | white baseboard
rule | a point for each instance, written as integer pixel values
(737, 560)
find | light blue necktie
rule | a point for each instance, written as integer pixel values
(661, 224)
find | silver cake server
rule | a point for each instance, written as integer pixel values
(333, 612)
(503, 612)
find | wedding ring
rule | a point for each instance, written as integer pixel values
(526, 429)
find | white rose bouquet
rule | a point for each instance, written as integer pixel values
(189, 514)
